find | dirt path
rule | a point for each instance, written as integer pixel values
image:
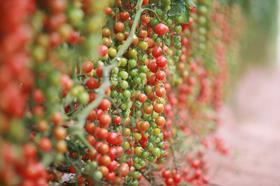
(251, 129)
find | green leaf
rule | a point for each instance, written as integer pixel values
(179, 11)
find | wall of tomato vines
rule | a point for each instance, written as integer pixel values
(95, 92)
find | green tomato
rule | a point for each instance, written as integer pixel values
(159, 11)
(123, 75)
(97, 175)
(124, 84)
(134, 183)
(138, 113)
(203, 10)
(122, 62)
(127, 94)
(112, 52)
(169, 22)
(202, 30)
(124, 106)
(154, 21)
(126, 145)
(156, 131)
(137, 80)
(115, 70)
(138, 151)
(156, 152)
(75, 16)
(143, 45)
(178, 29)
(39, 53)
(137, 136)
(132, 63)
(144, 68)
(202, 20)
(134, 72)
(148, 89)
(54, 78)
(150, 147)
(132, 53)
(180, 19)
(145, 154)
(83, 98)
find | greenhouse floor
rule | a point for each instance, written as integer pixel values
(251, 129)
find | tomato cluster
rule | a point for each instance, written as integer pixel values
(109, 92)
(14, 58)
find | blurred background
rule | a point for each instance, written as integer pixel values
(260, 38)
(251, 119)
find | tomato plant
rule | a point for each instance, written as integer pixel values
(111, 92)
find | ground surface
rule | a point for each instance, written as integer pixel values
(251, 129)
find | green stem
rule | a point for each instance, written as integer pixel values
(151, 10)
(106, 70)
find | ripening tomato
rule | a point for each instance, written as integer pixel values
(103, 50)
(101, 133)
(92, 115)
(119, 27)
(160, 91)
(104, 160)
(104, 120)
(148, 109)
(144, 126)
(103, 148)
(117, 120)
(56, 118)
(160, 75)
(60, 133)
(105, 104)
(87, 66)
(152, 65)
(159, 108)
(123, 169)
(160, 121)
(114, 138)
(161, 29)
(91, 139)
(45, 144)
(113, 166)
(145, 2)
(57, 6)
(145, 19)
(111, 177)
(38, 96)
(104, 170)
(177, 178)
(112, 153)
(108, 11)
(142, 98)
(124, 16)
(166, 174)
(99, 71)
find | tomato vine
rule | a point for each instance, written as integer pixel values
(111, 93)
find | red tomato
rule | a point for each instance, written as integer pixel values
(157, 51)
(124, 16)
(87, 66)
(161, 61)
(161, 29)
(105, 104)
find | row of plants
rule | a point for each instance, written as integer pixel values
(95, 92)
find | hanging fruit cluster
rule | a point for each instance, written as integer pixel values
(95, 92)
